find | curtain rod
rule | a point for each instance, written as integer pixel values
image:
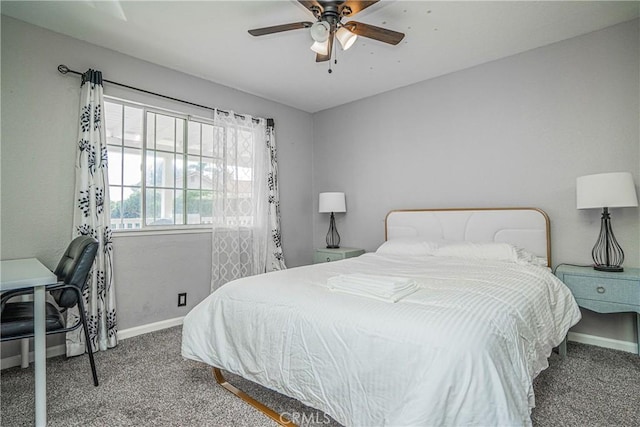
(63, 69)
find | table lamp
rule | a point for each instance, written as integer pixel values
(606, 190)
(332, 202)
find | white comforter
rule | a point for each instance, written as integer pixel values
(462, 350)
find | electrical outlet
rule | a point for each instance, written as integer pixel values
(182, 299)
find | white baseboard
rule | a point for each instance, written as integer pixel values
(59, 350)
(150, 327)
(627, 346)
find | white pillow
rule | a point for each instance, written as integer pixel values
(525, 257)
(490, 251)
(407, 246)
(471, 250)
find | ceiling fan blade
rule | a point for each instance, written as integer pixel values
(373, 32)
(327, 57)
(280, 28)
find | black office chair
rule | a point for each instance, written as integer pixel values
(16, 321)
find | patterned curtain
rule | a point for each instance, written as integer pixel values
(274, 249)
(91, 217)
(246, 218)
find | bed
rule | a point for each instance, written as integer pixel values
(462, 349)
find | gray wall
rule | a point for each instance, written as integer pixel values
(39, 131)
(513, 132)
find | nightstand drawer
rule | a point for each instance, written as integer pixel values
(327, 257)
(602, 289)
(336, 254)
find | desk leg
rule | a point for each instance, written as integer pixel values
(24, 344)
(40, 347)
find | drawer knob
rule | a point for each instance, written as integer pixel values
(600, 290)
(328, 259)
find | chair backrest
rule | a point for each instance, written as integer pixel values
(74, 268)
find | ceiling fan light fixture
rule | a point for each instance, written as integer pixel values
(346, 38)
(320, 31)
(321, 48)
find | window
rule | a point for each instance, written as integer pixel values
(168, 169)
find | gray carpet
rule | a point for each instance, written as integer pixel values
(144, 381)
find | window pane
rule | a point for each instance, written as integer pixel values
(151, 207)
(179, 171)
(113, 123)
(164, 200)
(193, 172)
(150, 173)
(179, 204)
(165, 133)
(115, 165)
(132, 167)
(132, 207)
(151, 131)
(133, 127)
(115, 194)
(165, 169)
(207, 174)
(180, 135)
(194, 138)
(193, 207)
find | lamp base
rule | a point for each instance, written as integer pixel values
(333, 238)
(609, 268)
(607, 254)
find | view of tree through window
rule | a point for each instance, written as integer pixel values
(166, 169)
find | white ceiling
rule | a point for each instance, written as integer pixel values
(209, 39)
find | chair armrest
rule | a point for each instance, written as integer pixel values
(59, 285)
(14, 293)
(6, 296)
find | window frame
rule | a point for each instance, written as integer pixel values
(146, 229)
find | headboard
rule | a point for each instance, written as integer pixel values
(527, 228)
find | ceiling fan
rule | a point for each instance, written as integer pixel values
(329, 25)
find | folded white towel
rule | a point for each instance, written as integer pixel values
(385, 288)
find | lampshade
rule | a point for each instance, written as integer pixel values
(321, 48)
(320, 31)
(332, 202)
(346, 38)
(611, 190)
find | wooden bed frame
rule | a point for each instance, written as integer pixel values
(526, 227)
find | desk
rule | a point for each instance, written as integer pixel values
(30, 273)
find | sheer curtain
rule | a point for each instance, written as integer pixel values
(246, 223)
(92, 217)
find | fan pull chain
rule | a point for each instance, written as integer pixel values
(335, 59)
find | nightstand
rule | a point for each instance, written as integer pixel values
(604, 292)
(328, 255)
